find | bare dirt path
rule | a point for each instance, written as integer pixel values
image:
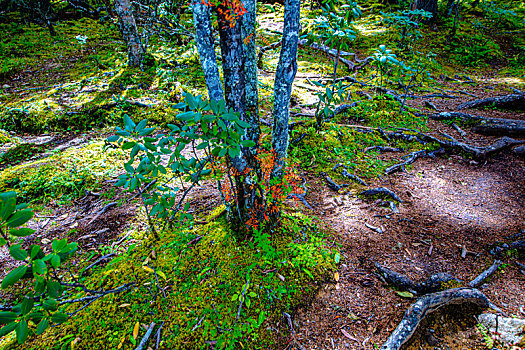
(449, 204)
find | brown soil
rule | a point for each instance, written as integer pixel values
(449, 203)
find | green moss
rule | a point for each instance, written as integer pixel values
(64, 175)
(20, 153)
(203, 280)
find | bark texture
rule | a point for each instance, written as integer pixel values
(128, 28)
(284, 77)
(206, 49)
(428, 304)
(487, 126)
(512, 101)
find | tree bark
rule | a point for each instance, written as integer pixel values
(206, 49)
(486, 126)
(128, 28)
(284, 77)
(512, 101)
(250, 71)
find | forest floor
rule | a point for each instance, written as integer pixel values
(451, 204)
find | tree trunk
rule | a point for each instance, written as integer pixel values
(250, 71)
(429, 6)
(284, 77)
(128, 28)
(206, 49)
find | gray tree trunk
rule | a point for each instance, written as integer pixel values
(206, 48)
(250, 70)
(284, 77)
(128, 28)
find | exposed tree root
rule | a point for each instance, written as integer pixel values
(353, 66)
(409, 159)
(512, 101)
(428, 304)
(381, 191)
(432, 284)
(487, 126)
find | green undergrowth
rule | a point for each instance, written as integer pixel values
(340, 143)
(20, 153)
(63, 175)
(5, 137)
(204, 272)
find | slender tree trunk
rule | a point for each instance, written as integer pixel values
(250, 71)
(284, 77)
(206, 49)
(128, 27)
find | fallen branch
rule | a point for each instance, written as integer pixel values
(359, 64)
(511, 101)
(105, 257)
(476, 282)
(428, 304)
(381, 191)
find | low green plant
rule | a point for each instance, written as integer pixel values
(39, 306)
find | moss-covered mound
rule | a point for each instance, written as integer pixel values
(63, 175)
(193, 280)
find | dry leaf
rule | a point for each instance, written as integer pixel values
(336, 276)
(121, 342)
(153, 254)
(148, 269)
(136, 330)
(281, 277)
(346, 334)
(124, 305)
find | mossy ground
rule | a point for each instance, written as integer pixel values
(64, 175)
(203, 280)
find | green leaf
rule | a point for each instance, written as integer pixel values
(113, 138)
(50, 304)
(337, 258)
(8, 328)
(8, 207)
(308, 273)
(59, 317)
(146, 132)
(18, 253)
(58, 245)
(27, 305)
(6, 317)
(20, 217)
(243, 124)
(128, 123)
(22, 331)
(129, 168)
(53, 289)
(141, 125)
(42, 326)
(21, 232)
(128, 145)
(202, 145)
(39, 267)
(13, 276)
(405, 294)
(247, 143)
(55, 261)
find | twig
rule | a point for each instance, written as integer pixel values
(240, 304)
(476, 282)
(102, 211)
(145, 339)
(105, 257)
(159, 334)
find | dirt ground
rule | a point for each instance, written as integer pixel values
(449, 204)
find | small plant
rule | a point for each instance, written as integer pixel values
(406, 24)
(384, 58)
(40, 306)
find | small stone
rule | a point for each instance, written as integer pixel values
(510, 329)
